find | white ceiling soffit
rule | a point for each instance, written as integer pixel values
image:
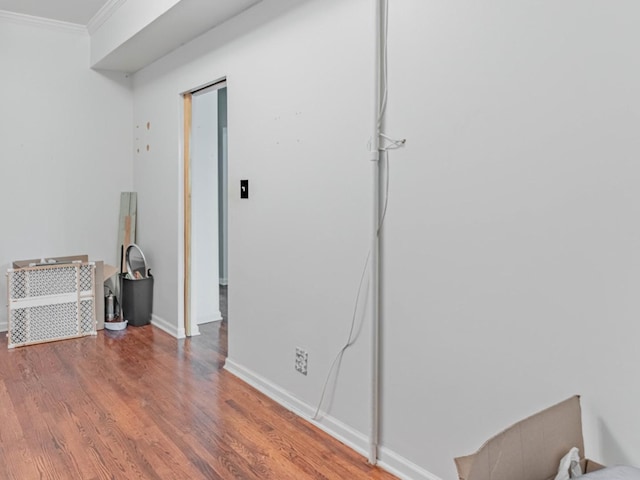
(180, 24)
(70, 11)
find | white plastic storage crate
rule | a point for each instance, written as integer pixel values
(50, 302)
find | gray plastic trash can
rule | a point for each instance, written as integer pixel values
(137, 300)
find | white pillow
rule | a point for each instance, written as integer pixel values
(613, 473)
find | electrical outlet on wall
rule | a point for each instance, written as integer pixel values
(302, 360)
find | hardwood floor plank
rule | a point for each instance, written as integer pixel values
(140, 404)
(13, 448)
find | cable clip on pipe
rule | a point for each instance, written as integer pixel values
(392, 143)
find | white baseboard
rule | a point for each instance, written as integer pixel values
(171, 328)
(401, 467)
(389, 460)
(213, 317)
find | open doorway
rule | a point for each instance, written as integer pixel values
(223, 197)
(206, 210)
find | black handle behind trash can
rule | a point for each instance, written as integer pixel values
(137, 300)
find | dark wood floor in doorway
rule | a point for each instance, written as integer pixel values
(140, 404)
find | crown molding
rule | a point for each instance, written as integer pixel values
(104, 14)
(23, 19)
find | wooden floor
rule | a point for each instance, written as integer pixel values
(140, 404)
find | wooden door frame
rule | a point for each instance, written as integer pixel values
(186, 160)
(189, 327)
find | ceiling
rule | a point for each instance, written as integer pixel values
(72, 11)
(132, 44)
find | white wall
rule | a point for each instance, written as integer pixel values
(512, 242)
(205, 295)
(510, 270)
(298, 244)
(65, 147)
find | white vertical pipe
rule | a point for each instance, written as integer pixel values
(375, 246)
